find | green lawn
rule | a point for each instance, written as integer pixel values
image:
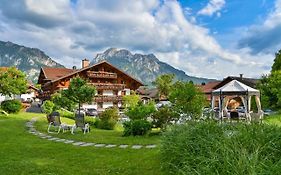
(24, 153)
(100, 135)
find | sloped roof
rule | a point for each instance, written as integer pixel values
(236, 87)
(52, 73)
(247, 81)
(3, 68)
(148, 92)
(73, 72)
(209, 87)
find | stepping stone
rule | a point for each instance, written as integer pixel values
(78, 143)
(87, 144)
(60, 140)
(68, 141)
(110, 146)
(54, 138)
(48, 136)
(136, 146)
(43, 137)
(123, 146)
(28, 125)
(150, 146)
(99, 145)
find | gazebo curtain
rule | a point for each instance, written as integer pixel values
(246, 100)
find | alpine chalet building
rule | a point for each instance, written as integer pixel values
(111, 83)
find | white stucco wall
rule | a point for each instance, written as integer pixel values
(119, 93)
(107, 92)
(119, 104)
(107, 104)
(93, 105)
(128, 91)
(25, 97)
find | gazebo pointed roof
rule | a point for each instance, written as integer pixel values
(236, 88)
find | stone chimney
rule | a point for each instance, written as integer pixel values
(74, 67)
(85, 63)
(241, 76)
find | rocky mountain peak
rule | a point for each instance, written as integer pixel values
(143, 67)
(29, 60)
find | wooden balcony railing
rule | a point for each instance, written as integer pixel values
(107, 86)
(113, 98)
(94, 74)
(45, 95)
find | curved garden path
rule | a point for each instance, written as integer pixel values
(33, 131)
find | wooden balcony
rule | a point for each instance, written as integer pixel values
(113, 98)
(46, 95)
(94, 74)
(108, 86)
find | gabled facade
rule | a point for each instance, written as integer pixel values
(111, 83)
(247, 81)
(211, 86)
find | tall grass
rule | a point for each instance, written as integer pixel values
(212, 148)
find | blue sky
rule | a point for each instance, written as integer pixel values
(205, 38)
(234, 14)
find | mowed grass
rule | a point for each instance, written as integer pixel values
(100, 135)
(24, 153)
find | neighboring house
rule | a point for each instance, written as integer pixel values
(111, 83)
(252, 82)
(208, 88)
(146, 94)
(211, 86)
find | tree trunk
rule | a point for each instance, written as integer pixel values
(79, 108)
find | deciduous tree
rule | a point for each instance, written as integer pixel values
(277, 62)
(131, 101)
(164, 83)
(79, 92)
(12, 82)
(187, 99)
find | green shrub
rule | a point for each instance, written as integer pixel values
(108, 119)
(163, 117)
(212, 148)
(136, 127)
(141, 111)
(11, 106)
(48, 107)
(90, 120)
(66, 114)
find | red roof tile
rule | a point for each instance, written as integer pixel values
(55, 73)
(209, 87)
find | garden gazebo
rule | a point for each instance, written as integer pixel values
(237, 89)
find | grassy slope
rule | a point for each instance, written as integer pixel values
(23, 153)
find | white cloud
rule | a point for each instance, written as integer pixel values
(264, 37)
(149, 26)
(214, 6)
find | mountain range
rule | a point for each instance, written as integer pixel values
(29, 60)
(143, 67)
